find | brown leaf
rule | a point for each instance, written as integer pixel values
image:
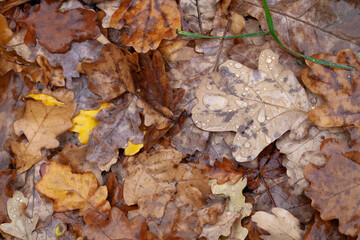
(270, 160)
(110, 76)
(117, 125)
(56, 30)
(6, 191)
(5, 32)
(324, 230)
(259, 105)
(41, 124)
(335, 188)
(339, 88)
(51, 74)
(71, 191)
(147, 22)
(309, 26)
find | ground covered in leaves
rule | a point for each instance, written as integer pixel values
(113, 126)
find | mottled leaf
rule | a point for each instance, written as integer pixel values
(259, 105)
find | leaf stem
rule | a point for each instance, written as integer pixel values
(189, 34)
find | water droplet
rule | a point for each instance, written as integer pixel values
(230, 110)
(261, 115)
(267, 139)
(246, 89)
(273, 57)
(257, 91)
(207, 120)
(237, 75)
(264, 88)
(240, 103)
(238, 65)
(231, 64)
(203, 124)
(208, 85)
(247, 145)
(267, 118)
(243, 94)
(237, 126)
(215, 102)
(268, 60)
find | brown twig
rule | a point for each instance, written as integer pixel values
(199, 16)
(267, 190)
(221, 46)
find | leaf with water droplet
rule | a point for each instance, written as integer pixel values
(259, 105)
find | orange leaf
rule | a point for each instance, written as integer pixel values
(339, 87)
(72, 191)
(147, 22)
(54, 29)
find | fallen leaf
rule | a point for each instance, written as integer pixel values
(73, 25)
(5, 32)
(132, 149)
(85, 121)
(311, 26)
(83, 97)
(117, 125)
(299, 153)
(324, 230)
(110, 76)
(6, 191)
(21, 226)
(52, 75)
(270, 166)
(147, 23)
(281, 225)
(109, 7)
(334, 189)
(259, 105)
(337, 86)
(41, 124)
(204, 14)
(45, 99)
(71, 191)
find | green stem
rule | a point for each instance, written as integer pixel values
(189, 34)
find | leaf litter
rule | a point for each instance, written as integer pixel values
(104, 136)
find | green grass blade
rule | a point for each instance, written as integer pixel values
(273, 34)
(189, 34)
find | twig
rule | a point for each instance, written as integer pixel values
(199, 16)
(267, 190)
(221, 46)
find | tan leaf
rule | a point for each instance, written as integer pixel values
(259, 105)
(304, 151)
(147, 22)
(281, 225)
(41, 124)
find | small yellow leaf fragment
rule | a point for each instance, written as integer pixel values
(132, 149)
(45, 99)
(60, 229)
(85, 121)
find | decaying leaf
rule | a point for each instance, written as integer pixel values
(56, 30)
(41, 124)
(207, 12)
(6, 191)
(85, 121)
(281, 225)
(335, 188)
(71, 191)
(147, 22)
(339, 88)
(110, 76)
(21, 226)
(5, 32)
(299, 153)
(117, 125)
(259, 105)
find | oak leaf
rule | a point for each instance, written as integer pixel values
(147, 22)
(335, 188)
(41, 124)
(281, 225)
(117, 125)
(5, 32)
(71, 191)
(21, 226)
(110, 76)
(339, 88)
(54, 29)
(259, 105)
(6, 191)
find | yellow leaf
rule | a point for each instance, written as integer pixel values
(132, 149)
(85, 121)
(45, 99)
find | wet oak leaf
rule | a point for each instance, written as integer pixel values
(146, 22)
(335, 188)
(339, 87)
(54, 29)
(259, 105)
(41, 124)
(6, 191)
(20, 226)
(110, 76)
(281, 225)
(118, 125)
(71, 191)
